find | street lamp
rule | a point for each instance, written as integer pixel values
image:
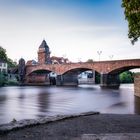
(99, 53)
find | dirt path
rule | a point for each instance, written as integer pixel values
(73, 128)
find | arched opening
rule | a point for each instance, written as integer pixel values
(126, 74)
(44, 77)
(112, 79)
(80, 76)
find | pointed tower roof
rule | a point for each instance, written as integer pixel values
(44, 45)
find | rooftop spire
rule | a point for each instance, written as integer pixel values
(43, 44)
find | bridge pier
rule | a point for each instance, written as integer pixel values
(137, 85)
(59, 80)
(109, 81)
(67, 80)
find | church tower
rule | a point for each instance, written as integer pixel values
(44, 53)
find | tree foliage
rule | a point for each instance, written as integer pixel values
(4, 57)
(11, 63)
(132, 15)
(126, 77)
(90, 60)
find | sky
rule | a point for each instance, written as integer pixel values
(76, 29)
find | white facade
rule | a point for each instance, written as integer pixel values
(52, 74)
(3, 67)
(84, 77)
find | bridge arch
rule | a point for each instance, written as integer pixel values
(37, 68)
(112, 79)
(39, 71)
(123, 69)
(79, 69)
(41, 75)
(71, 76)
(119, 66)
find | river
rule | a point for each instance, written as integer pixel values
(31, 102)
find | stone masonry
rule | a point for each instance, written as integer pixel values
(102, 67)
(137, 85)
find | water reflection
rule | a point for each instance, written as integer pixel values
(43, 103)
(34, 102)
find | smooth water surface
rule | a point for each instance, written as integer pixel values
(34, 102)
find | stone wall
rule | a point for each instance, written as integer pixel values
(137, 85)
(38, 79)
(41, 56)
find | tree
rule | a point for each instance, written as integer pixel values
(132, 15)
(3, 55)
(90, 60)
(11, 63)
(1, 79)
(126, 77)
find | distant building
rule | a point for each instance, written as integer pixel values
(87, 77)
(45, 58)
(59, 60)
(3, 66)
(44, 53)
(31, 62)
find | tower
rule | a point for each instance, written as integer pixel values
(44, 53)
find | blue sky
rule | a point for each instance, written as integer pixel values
(76, 29)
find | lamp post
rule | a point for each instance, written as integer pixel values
(99, 53)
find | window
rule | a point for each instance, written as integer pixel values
(0, 64)
(4, 64)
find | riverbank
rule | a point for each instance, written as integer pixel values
(75, 127)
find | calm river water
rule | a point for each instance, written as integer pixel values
(34, 102)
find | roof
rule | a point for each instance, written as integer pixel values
(44, 45)
(21, 59)
(59, 59)
(31, 62)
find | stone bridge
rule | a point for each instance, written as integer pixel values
(109, 70)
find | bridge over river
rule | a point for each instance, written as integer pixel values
(67, 74)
